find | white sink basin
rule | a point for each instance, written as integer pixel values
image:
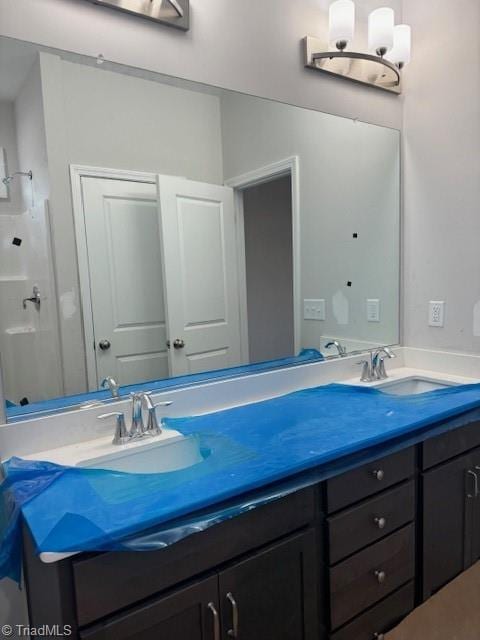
(156, 457)
(413, 385)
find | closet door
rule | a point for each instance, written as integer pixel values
(197, 223)
(124, 271)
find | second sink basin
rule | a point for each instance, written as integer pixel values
(155, 457)
(413, 385)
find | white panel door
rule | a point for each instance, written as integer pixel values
(200, 274)
(125, 268)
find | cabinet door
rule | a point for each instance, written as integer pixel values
(474, 492)
(191, 613)
(273, 594)
(448, 509)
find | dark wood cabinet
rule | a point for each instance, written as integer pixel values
(273, 594)
(450, 502)
(191, 613)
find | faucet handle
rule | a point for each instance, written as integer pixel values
(121, 434)
(366, 375)
(153, 427)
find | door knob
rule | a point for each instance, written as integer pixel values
(104, 345)
(178, 343)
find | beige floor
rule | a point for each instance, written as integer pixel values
(451, 614)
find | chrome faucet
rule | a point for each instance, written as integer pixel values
(374, 368)
(137, 429)
(342, 352)
(378, 363)
(112, 384)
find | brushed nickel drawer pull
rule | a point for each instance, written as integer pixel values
(233, 632)
(381, 522)
(475, 485)
(216, 621)
(379, 474)
(381, 576)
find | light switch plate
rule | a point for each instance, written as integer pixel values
(314, 310)
(436, 313)
(373, 310)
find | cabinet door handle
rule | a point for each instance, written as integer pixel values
(379, 474)
(233, 632)
(378, 636)
(475, 484)
(381, 522)
(381, 576)
(216, 621)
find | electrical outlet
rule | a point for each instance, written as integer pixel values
(373, 310)
(436, 314)
(314, 310)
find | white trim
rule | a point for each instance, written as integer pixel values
(288, 166)
(4, 191)
(77, 172)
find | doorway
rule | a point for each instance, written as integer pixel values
(267, 217)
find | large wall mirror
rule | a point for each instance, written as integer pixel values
(162, 232)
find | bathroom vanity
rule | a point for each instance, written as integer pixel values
(345, 559)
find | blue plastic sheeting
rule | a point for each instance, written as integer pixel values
(56, 404)
(243, 449)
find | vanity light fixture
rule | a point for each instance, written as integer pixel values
(389, 48)
(173, 13)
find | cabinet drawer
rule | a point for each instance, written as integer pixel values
(450, 444)
(109, 582)
(371, 478)
(370, 575)
(370, 521)
(381, 618)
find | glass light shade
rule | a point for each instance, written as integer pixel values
(341, 23)
(380, 30)
(402, 45)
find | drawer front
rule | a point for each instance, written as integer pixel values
(109, 582)
(371, 478)
(370, 521)
(381, 618)
(370, 575)
(451, 444)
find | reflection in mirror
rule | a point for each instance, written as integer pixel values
(169, 231)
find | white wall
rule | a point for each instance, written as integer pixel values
(442, 174)
(8, 140)
(349, 183)
(131, 124)
(28, 337)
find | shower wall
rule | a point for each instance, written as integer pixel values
(28, 337)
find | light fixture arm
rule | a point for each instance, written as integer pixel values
(177, 7)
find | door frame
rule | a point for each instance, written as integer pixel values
(287, 167)
(77, 172)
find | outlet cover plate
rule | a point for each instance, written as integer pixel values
(436, 313)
